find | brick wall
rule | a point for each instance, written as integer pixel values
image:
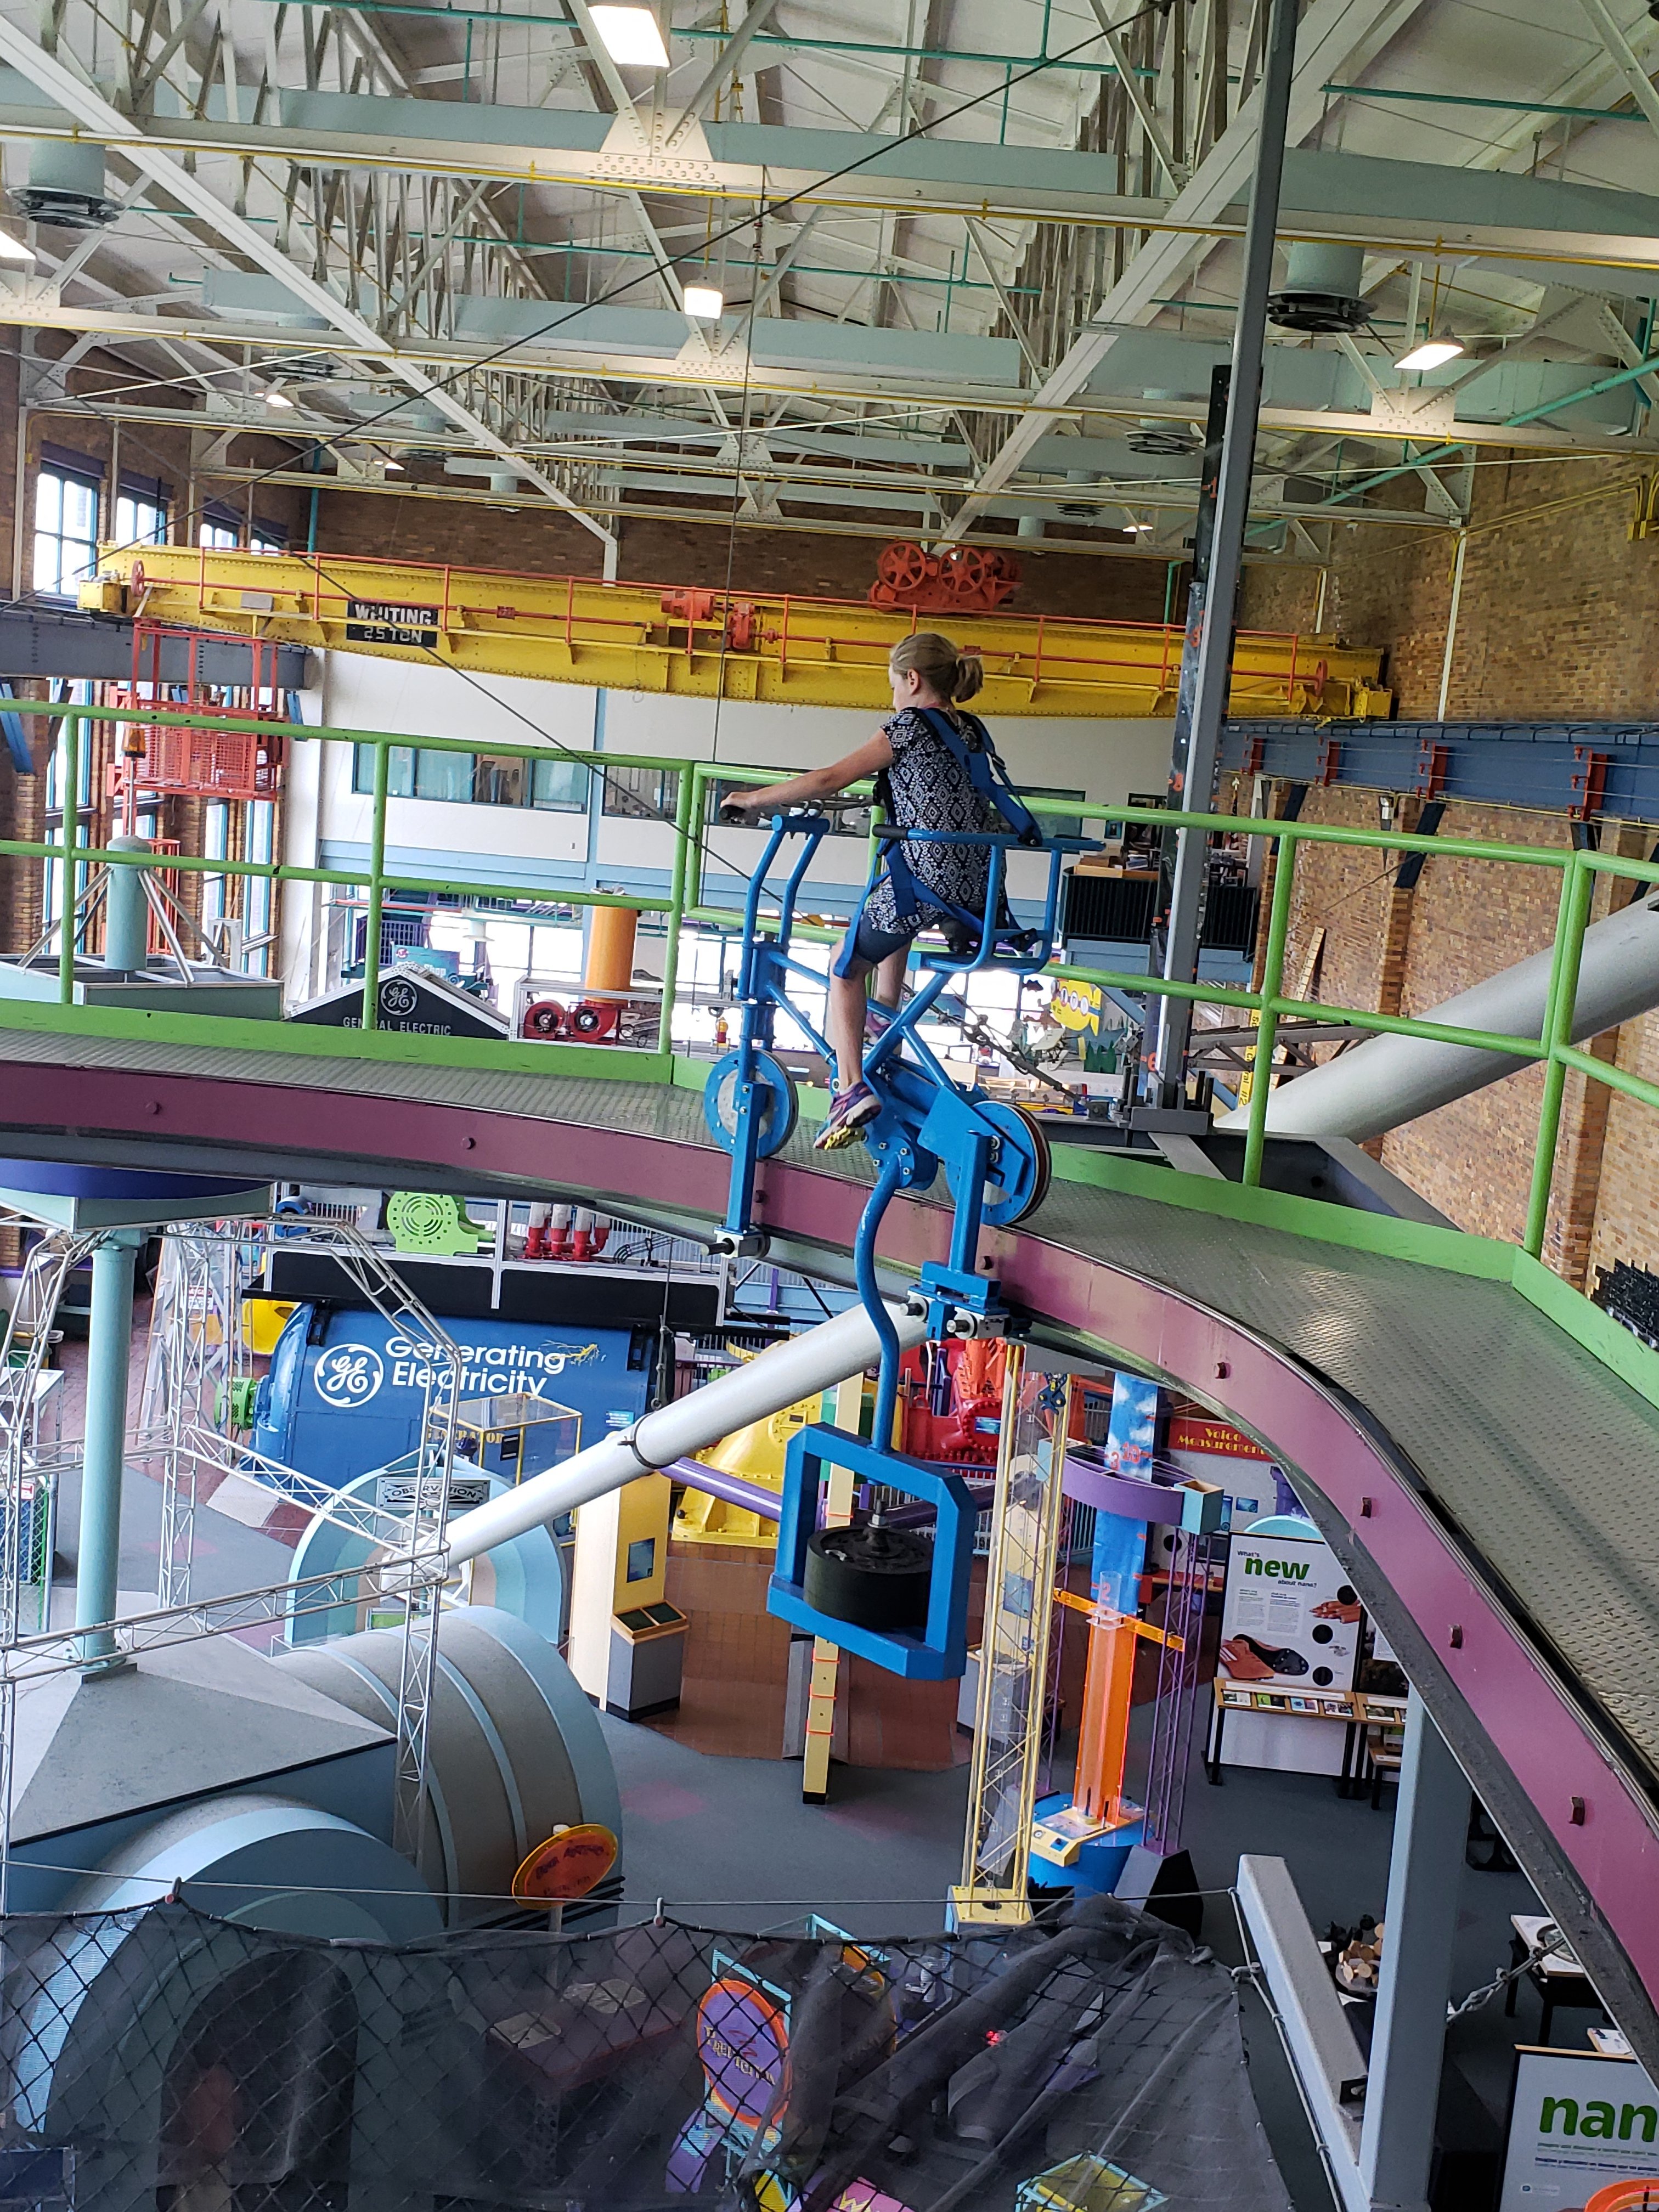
(1552, 582)
(395, 526)
(1553, 590)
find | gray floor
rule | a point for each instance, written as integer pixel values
(727, 1842)
(721, 1841)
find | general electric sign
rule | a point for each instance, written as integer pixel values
(347, 1376)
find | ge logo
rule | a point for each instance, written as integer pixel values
(348, 1374)
(398, 999)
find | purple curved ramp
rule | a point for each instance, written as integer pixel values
(1471, 1465)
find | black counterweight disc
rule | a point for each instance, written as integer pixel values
(873, 1577)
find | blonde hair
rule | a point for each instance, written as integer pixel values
(955, 675)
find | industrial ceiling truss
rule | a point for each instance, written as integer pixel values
(973, 263)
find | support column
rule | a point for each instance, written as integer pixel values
(826, 1657)
(126, 911)
(109, 1351)
(1431, 1827)
(1206, 656)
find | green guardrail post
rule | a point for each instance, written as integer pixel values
(71, 838)
(1577, 885)
(376, 889)
(685, 837)
(1273, 975)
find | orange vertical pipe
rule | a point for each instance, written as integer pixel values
(1103, 1735)
(610, 948)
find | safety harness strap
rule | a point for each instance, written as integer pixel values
(986, 772)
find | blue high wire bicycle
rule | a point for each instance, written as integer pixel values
(994, 1156)
(995, 1159)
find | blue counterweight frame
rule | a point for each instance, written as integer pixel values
(940, 1653)
(995, 1160)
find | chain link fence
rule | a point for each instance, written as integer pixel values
(166, 2060)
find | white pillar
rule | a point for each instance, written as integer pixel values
(1430, 1827)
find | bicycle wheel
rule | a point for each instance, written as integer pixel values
(777, 1103)
(1016, 1181)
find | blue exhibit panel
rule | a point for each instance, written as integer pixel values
(346, 1391)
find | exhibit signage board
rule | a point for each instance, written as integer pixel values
(1578, 2123)
(1291, 1618)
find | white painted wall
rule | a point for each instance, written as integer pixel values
(1104, 760)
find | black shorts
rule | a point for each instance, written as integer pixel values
(864, 941)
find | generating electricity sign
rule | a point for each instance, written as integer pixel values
(1291, 1619)
(347, 1390)
(1578, 2123)
(391, 621)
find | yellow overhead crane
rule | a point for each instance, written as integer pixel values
(703, 644)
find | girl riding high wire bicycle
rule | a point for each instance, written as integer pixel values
(936, 770)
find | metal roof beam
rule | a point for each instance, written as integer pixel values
(835, 381)
(83, 99)
(1330, 34)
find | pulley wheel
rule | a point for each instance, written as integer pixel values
(875, 1578)
(1016, 1181)
(903, 566)
(777, 1103)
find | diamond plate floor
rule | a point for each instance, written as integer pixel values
(1546, 1462)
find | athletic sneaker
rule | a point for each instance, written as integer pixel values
(848, 1112)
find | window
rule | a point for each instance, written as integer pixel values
(1055, 825)
(444, 775)
(257, 890)
(140, 521)
(266, 538)
(558, 787)
(399, 771)
(644, 794)
(215, 845)
(218, 536)
(65, 532)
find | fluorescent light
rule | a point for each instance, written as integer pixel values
(395, 465)
(1433, 353)
(631, 37)
(13, 249)
(704, 301)
(275, 397)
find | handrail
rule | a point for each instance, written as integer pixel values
(685, 907)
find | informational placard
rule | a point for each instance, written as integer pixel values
(390, 622)
(1291, 1618)
(1578, 2123)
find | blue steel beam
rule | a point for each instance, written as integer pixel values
(1586, 769)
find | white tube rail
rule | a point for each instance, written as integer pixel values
(1377, 1085)
(779, 1376)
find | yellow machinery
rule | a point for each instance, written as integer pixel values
(755, 1453)
(698, 643)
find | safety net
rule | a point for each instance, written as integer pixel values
(162, 2058)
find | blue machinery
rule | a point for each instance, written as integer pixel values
(995, 1159)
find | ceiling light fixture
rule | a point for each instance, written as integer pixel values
(704, 302)
(13, 249)
(275, 397)
(1433, 353)
(395, 464)
(631, 37)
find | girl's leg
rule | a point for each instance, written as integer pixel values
(890, 979)
(844, 1022)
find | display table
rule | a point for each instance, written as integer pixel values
(1328, 1705)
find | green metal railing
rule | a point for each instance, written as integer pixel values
(685, 908)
